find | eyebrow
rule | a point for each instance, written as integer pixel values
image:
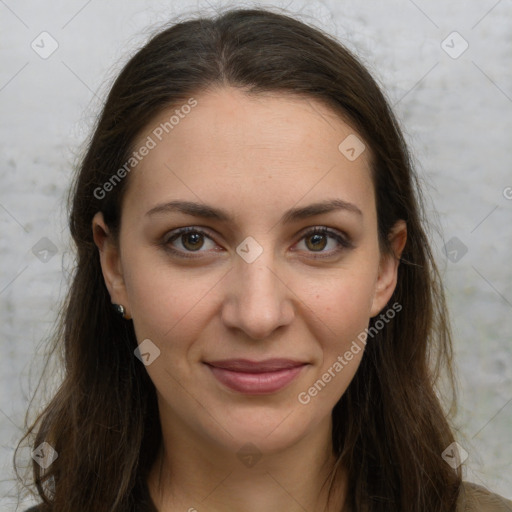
(294, 214)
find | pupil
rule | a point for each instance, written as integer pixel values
(195, 237)
(317, 238)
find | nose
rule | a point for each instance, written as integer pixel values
(257, 300)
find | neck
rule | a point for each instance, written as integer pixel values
(195, 475)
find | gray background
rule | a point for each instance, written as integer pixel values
(457, 114)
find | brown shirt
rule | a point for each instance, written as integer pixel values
(472, 498)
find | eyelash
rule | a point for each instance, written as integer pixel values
(344, 243)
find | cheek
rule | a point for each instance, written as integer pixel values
(159, 296)
(344, 308)
(344, 301)
(343, 304)
(170, 305)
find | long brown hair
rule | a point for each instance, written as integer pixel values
(389, 427)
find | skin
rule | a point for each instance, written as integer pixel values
(256, 157)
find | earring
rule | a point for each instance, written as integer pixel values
(121, 311)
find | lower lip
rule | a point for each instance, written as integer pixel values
(256, 383)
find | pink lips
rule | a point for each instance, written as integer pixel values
(256, 378)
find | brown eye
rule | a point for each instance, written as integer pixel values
(192, 241)
(183, 242)
(317, 239)
(187, 240)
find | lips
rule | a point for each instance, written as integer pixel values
(256, 377)
(247, 366)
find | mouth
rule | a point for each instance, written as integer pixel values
(256, 377)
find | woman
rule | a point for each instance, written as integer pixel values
(256, 321)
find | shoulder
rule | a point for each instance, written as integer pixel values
(475, 498)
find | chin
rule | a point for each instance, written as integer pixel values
(269, 428)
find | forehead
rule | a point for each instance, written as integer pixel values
(264, 147)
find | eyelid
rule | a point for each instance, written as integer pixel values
(343, 240)
(175, 235)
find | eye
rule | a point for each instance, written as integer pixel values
(316, 240)
(193, 240)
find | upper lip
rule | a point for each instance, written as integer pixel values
(248, 366)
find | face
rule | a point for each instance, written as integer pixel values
(255, 277)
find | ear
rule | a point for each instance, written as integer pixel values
(388, 268)
(110, 262)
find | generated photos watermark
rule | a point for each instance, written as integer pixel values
(150, 143)
(147, 352)
(304, 397)
(454, 455)
(44, 455)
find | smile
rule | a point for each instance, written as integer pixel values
(256, 378)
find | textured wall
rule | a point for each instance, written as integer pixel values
(454, 99)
